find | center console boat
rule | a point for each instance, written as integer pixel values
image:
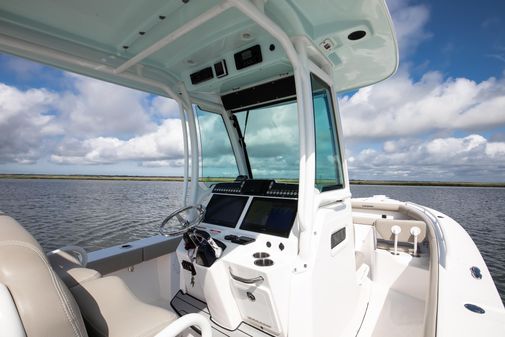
(268, 241)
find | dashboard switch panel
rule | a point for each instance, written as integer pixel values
(258, 187)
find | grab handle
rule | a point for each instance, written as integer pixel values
(246, 280)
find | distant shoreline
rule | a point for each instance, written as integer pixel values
(89, 177)
(427, 183)
(179, 178)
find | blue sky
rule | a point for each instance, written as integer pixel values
(464, 39)
(441, 117)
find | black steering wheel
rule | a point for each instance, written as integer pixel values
(182, 220)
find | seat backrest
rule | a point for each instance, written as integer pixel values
(383, 227)
(44, 304)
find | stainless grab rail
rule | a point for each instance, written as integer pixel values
(437, 228)
(246, 280)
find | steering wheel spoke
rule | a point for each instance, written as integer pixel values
(183, 221)
(195, 213)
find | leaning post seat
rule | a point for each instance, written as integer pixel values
(110, 309)
(70, 269)
(32, 290)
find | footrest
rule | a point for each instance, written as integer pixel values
(185, 304)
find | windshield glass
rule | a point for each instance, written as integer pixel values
(271, 135)
(217, 160)
(329, 174)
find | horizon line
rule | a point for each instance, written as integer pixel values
(175, 178)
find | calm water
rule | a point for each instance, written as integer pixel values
(91, 214)
(98, 214)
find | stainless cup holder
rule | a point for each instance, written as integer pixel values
(261, 255)
(264, 262)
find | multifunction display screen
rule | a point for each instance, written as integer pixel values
(224, 210)
(270, 216)
(248, 57)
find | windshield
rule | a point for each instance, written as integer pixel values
(329, 173)
(271, 135)
(217, 160)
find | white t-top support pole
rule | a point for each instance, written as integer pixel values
(255, 14)
(184, 127)
(193, 137)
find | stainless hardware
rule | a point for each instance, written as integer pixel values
(474, 308)
(246, 280)
(260, 255)
(475, 271)
(250, 296)
(264, 262)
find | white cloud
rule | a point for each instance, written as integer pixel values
(496, 150)
(26, 121)
(468, 158)
(402, 107)
(164, 107)
(95, 123)
(162, 146)
(98, 108)
(176, 163)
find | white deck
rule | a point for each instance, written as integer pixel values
(393, 313)
(397, 299)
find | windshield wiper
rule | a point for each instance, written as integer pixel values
(241, 140)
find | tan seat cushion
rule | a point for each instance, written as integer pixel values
(69, 269)
(383, 227)
(43, 302)
(363, 220)
(111, 309)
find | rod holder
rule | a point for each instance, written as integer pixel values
(415, 231)
(396, 230)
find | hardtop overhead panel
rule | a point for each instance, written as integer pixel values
(143, 43)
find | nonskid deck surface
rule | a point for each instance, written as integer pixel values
(397, 305)
(184, 304)
(393, 314)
